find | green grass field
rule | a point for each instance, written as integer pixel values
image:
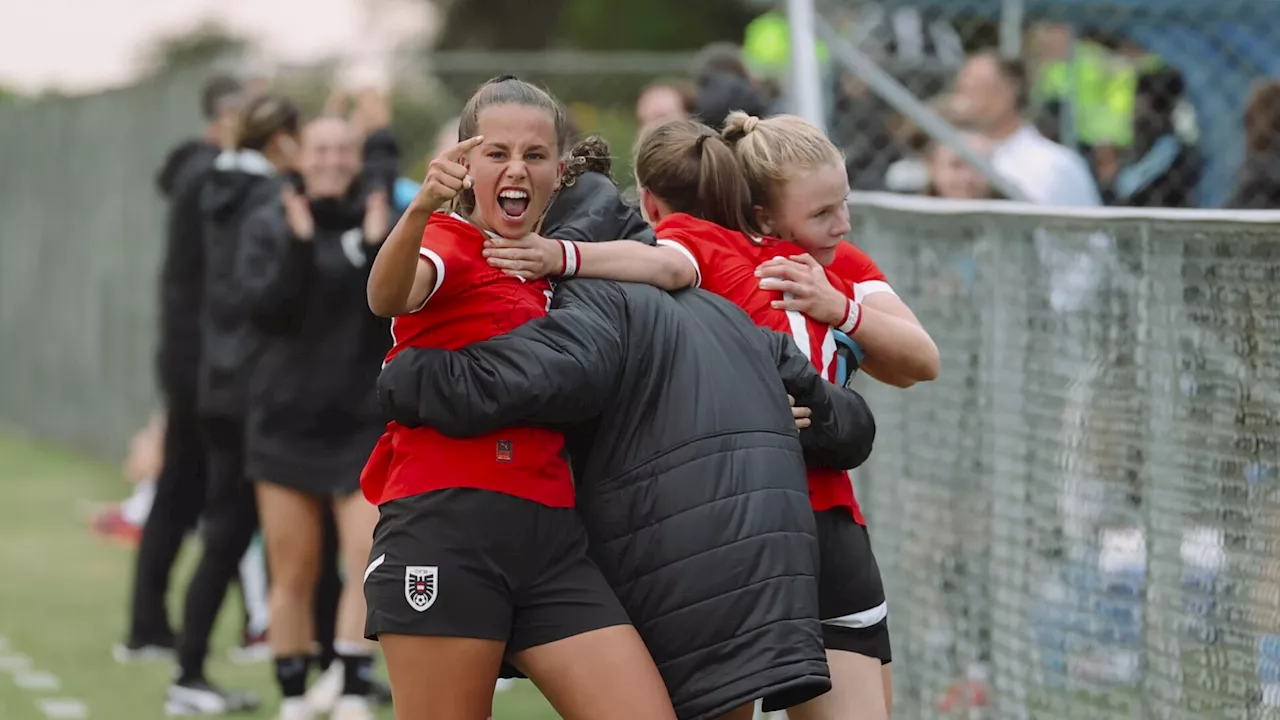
(63, 594)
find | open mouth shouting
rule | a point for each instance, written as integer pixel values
(514, 203)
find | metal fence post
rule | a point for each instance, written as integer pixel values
(806, 74)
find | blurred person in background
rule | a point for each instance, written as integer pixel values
(723, 84)
(1258, 184)
(1085, 75)
(937, 170)
(313, 417)
(952, 177)
(123, 521)
(664, 100)
(244, 179)
(992, 93)
(1164, 170)
(181, 484)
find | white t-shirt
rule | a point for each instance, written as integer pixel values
(1046, 172)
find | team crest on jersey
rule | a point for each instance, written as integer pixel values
(421, 586)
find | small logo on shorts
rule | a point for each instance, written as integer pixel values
(504, 451)
(420, 586)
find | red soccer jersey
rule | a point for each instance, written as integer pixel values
(859, 272)
(470, 302)
(726, 263)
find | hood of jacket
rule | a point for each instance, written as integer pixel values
(178, 159)
(236, 174)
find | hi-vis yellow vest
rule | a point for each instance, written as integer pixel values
(766, 45)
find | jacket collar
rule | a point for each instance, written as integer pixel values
(247, 161)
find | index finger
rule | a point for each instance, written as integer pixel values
(457, 151)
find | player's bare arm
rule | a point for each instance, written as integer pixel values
(534, 256)
(399, 281)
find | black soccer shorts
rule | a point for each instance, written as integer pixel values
(851, 602)
(479, 564)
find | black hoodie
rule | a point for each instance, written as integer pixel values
(182, 273)
(241, 183)
(312, 393)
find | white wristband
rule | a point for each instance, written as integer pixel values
(852, 318)
(572, 258)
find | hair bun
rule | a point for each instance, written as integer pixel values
(749, 125)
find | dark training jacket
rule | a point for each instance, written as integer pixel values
(182, 273)
(312, 404)
(240, 184)
(690, 472)
(592, 210)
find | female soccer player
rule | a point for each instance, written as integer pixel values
(312, 418)
(479, 555)
(692, 188)
(799, 188)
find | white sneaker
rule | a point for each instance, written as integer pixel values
(352, 707)
(326, 690)
(295, 709)
(504, 684)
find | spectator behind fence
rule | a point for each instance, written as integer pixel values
(1258, 185)
(993, 96)
(313, 416)
(723, 85)
(1164, 170)
(937, 170)
(664, 100)
(244, 179)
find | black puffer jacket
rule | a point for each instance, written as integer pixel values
(240, 184)
(592, 210)
(690, 472)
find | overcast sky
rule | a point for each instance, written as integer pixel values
(104, 40)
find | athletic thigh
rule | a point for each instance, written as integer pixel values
(857, 691)
(355, 519)
(605, 673)
(441, 678)
(292, 523)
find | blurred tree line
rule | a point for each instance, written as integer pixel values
(594, 24)
(420, 105)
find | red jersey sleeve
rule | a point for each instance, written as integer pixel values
(683, 242)
(439, 243)
(859, 273)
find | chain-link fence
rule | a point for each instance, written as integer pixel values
(1152, 94)
(1077, 519)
